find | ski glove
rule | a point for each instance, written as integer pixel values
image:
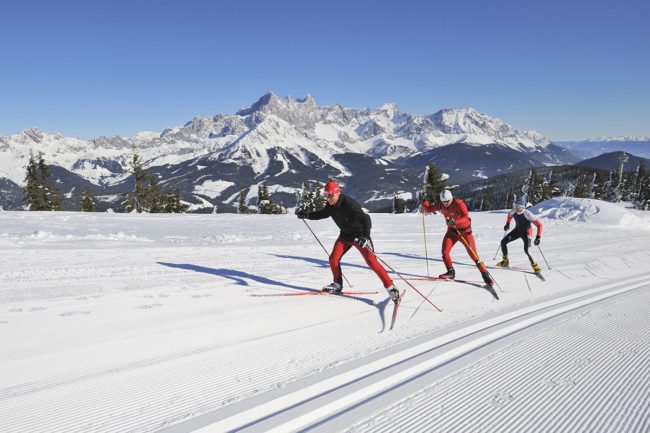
(451, 221)
(302, 214)
(537, 240)
(506, 227)
(364, 242)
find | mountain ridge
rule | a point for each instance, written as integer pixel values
(288, 138)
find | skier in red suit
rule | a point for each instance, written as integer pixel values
(458, 221)
(355, 227)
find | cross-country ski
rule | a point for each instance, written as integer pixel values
(396, 308)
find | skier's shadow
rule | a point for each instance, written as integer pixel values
(320, 263)
(413, 256)
(240, 278)
(325, 263)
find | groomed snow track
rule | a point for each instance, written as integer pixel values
(338, 399)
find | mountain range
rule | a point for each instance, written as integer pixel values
(592, 147)
(374, 153)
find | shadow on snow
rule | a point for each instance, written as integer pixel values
(242, 278)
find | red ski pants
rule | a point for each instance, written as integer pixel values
(341, 246)
(450, 240)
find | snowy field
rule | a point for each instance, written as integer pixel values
(142, 323)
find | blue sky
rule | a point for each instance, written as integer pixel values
(568, 69)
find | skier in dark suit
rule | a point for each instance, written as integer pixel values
(355, 227)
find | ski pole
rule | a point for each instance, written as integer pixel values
(424, 233)
(404, 279)
(478, 259)
(328, 254)
(505, 233)
(540, 250)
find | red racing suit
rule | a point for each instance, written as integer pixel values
(457, 211)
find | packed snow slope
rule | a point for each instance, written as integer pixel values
(142, 323)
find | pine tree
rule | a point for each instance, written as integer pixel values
(598, 185)
(637, 184)
(134, 201)
(266, 204)
(87, 201)
(550, 187)
(626, 187)
(40, 194)
(581, 188)
(242, 208)
(534, 188)
(612, 191)
(153, 196)
(33, 197)
(399, 205)
(311, 198)
(172, 201)
(147, 195)
(434, 184)
(642, 200)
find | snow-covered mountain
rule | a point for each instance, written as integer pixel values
(284, 141)
(591, 147)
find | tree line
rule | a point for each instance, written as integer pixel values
(146, 196)
(499, 192)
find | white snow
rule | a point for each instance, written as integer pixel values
(125, 322)
(593, 211)
(212, 188)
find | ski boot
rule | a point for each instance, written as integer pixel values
(449, 275)
(486, 277)
(394, 293)
(333, 288)
(504, 263)
(536, 268)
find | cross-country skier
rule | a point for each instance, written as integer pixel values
(523, 230)
(458, 221)
(355, 227)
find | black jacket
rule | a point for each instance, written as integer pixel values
(348, 215)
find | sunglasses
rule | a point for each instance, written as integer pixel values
(329, 195)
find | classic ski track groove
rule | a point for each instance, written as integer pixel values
(302, 421)
(423, 408)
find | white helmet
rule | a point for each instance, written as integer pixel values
(446, 195)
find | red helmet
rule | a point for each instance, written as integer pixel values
(332, 188)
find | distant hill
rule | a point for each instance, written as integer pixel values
(611, 161)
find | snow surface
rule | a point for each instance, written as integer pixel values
(140, 323)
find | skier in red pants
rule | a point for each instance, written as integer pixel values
(355, 227)
(458, 221)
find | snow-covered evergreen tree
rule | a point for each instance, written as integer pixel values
(241, 205)
(88, 201)
(40, 193)
(549, 187)
(434, 184)
(33, 198)
(612, 189)
(265, 203)
(311, 198)
(533, 188)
